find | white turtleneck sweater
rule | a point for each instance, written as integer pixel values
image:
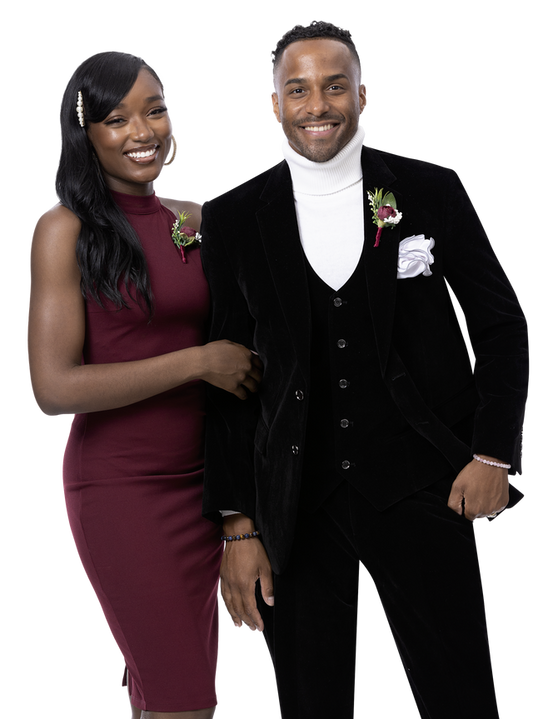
(328, 197)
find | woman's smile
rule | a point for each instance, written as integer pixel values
(133, 141)
(143, 156)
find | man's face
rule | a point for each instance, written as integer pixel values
(318, 98)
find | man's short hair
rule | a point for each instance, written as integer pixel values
(316, 29)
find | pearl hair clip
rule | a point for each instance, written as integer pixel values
(79, 109)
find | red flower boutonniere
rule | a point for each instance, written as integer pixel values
(384, 211)
(183, 236)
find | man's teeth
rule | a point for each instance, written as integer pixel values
(137, 155)
(318, 128)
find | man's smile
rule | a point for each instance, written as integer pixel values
(318, 128)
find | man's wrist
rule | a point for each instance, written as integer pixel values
(491, 461)
(238, 524)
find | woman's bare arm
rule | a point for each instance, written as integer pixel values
(57, 330)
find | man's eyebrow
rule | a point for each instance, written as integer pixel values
(302, 80)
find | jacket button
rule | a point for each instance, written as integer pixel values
(295, 449)
(299, 394)
(345, 464)
(341, 344)
(345, 423)
(343, 383)
(337, 302)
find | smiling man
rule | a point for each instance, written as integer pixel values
(318, 106)
(371, 439)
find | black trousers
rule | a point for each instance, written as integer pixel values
(423, 560)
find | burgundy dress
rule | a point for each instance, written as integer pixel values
(133, 486)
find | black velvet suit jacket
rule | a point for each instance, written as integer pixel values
(254, 263)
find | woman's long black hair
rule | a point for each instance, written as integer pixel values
(108, 249)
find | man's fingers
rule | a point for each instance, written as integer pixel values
(248, 617)
(482, 487)
(243, 563)
(455, 500)
(267, 588)
(243, 610)
(240, 392)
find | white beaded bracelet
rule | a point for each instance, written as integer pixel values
(492, 464)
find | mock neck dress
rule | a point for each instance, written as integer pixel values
(133, 484)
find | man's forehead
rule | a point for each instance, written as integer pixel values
(323, 50)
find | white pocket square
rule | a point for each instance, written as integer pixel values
(414, 257)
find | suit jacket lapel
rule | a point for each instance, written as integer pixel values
(281, 239)
(380, 262)
(279, 231)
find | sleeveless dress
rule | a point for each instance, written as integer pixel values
(133, 485)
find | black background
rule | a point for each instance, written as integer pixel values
(442, 88)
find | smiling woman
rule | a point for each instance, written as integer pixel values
(114, 95)
(134, 139)
(116, 335)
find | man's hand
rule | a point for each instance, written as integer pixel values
(480, 490)
(244, 562)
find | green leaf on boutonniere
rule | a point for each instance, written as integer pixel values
(184, 236)
(384, 211)
(389, 199)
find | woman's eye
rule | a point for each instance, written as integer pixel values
(158, 111)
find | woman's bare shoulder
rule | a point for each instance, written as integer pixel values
(193, 209)
(54, 241)
(58, 222)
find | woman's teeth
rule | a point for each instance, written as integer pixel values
(138, 155)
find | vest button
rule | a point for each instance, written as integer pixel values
(295, 449)
(299, 394)
(337, 302)
(341, 344)
(345, 464)
(345, 423)
(343, 383)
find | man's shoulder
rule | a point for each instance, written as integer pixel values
(405, 167)
(251, 189)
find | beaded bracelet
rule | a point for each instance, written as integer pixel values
(501, 465)
(237, 537)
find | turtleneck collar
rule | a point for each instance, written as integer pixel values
(137, 204)
(325, 178)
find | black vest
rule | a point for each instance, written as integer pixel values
(355, 431)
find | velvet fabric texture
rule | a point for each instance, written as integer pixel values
(422, 558)
(257, 275)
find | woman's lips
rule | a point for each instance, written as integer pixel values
(142, 155)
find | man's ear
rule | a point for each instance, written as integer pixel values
(273, 107)
(364, 98)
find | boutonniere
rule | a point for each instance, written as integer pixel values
(184, 236)
(384, 211)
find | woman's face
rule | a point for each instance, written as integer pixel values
(133, 141)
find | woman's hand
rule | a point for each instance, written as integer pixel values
(62, 383)
(231, 367)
